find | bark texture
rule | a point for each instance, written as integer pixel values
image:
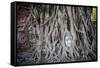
(53, 33)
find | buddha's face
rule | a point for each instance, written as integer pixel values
(68, 39)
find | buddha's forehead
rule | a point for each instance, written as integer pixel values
(68, 36)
